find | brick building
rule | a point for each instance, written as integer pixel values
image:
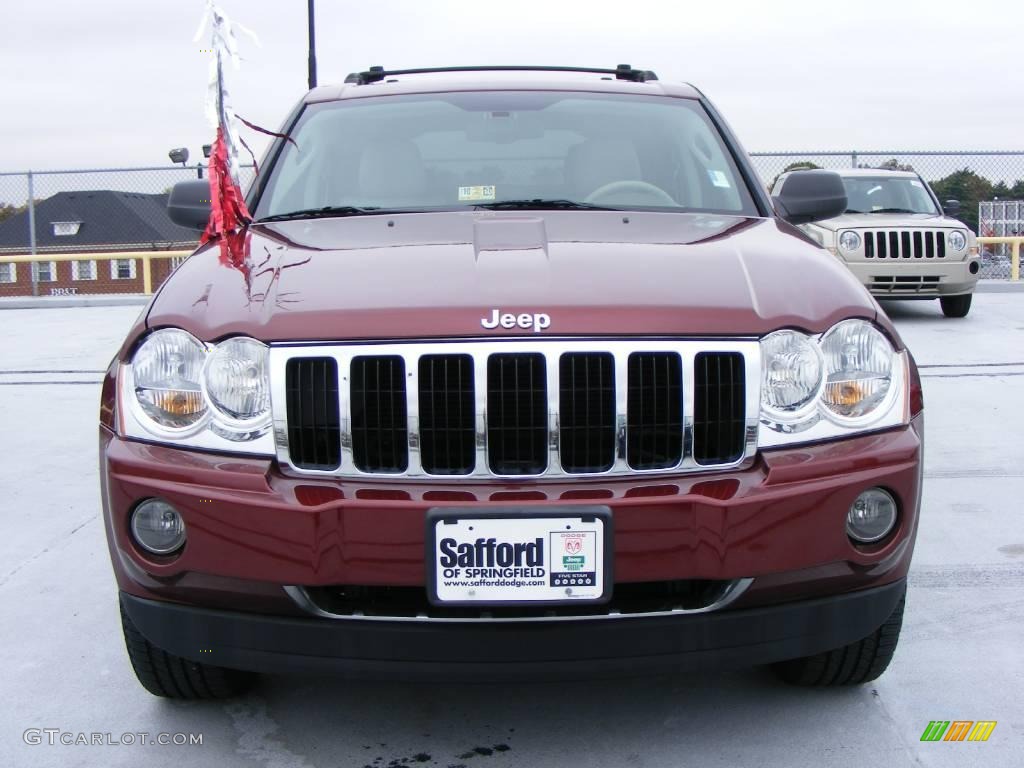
(91, 224)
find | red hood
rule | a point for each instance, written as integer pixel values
(437, 274)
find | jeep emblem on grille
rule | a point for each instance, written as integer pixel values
(538, 321)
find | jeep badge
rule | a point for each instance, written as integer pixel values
(538, 321)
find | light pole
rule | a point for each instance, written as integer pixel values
(311, 18)
(180, 155)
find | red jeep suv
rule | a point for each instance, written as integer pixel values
(516, 370)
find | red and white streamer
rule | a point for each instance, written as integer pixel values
(228, 212)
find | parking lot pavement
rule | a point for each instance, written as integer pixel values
(959, 658)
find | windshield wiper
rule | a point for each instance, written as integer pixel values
(850, 210)
(893, 210)
(541, 203)
(316, 213)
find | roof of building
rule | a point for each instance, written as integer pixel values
(108, 220)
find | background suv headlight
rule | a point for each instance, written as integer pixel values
(849, 241)
(859, 384)
(956, 240)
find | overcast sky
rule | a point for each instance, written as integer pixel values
(93, 83)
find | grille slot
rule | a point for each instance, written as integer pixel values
(517, 414)
(379, 421)
(314, 427)
(447, 402)
(654, 410)
(719, 397)
(587, 411)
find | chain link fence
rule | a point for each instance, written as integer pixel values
(93, 231)
(107, 230)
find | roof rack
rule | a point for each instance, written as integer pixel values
(621, 72)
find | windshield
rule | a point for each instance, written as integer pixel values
(503, 149)
(887, 194)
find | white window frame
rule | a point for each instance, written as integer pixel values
(66, 228)
(52, 271)
(76, 270)
(113, 269)
(11, 270)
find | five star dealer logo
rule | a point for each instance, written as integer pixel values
(958, 730)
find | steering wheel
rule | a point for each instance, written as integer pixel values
(624, 193)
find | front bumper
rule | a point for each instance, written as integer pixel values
(891, 278)
(476, 651)
(252, 531)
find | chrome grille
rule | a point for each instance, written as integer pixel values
(539, 408)
(905, 244)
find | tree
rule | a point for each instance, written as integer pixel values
(892, 164)
(799, 165)
(7, 211)
(967, 187)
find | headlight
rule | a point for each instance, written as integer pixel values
(858, 370)
(166, 371)
(236, 382)
(849, 379)
(182, 392)
(849, 241)
(791, 375)
(956, 240)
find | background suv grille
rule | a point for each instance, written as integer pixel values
(905, 244)
(516, 408)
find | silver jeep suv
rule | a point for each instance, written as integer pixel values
(896, 238)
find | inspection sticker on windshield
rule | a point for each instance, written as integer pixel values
(719, 179)
(518, 557)
(476, 194)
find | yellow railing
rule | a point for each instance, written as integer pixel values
(1014, 243)
(146, 257)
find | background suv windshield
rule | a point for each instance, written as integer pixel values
(866, 194)
(454, 150)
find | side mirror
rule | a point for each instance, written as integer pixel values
(808, 196)
(189, 204)
(951, 207)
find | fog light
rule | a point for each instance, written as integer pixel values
(157, 527)
(871, 516)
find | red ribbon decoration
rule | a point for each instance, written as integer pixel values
(228, 212)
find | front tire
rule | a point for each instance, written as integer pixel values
(956, 306)
(173, 677)
(853, 664)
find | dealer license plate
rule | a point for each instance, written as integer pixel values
(560, 555)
